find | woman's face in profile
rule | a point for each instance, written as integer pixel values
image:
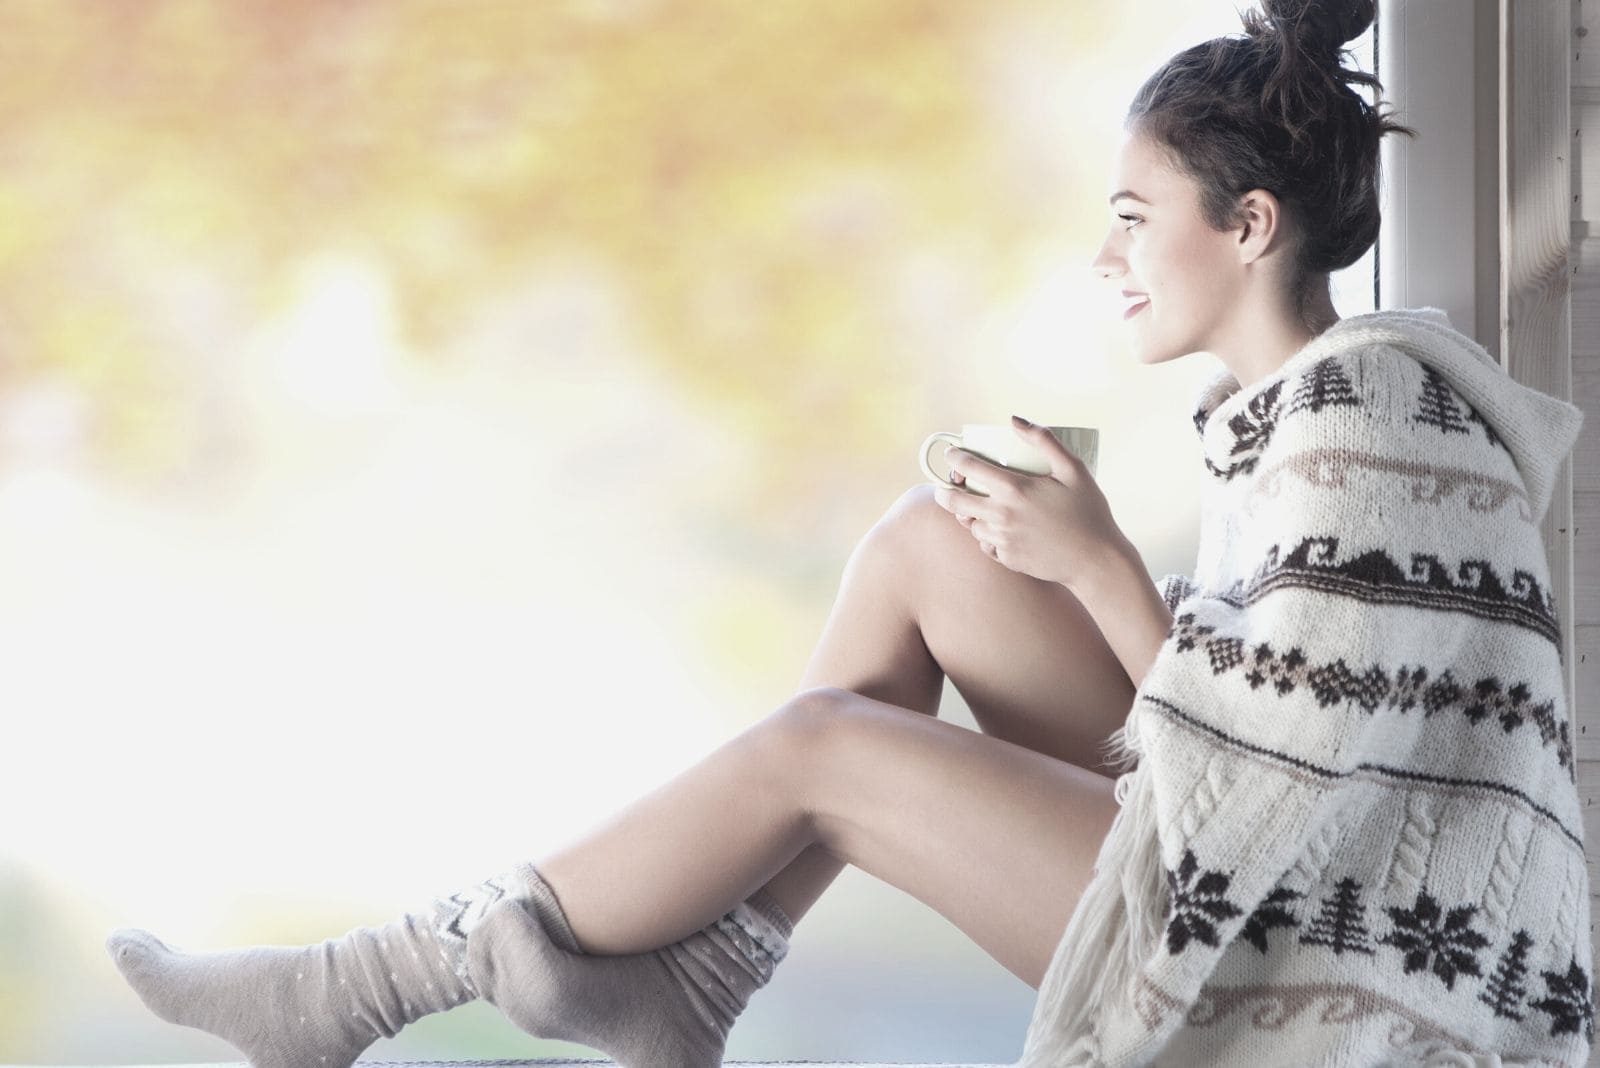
(1160, 246)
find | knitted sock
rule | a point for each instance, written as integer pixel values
(315, 1006)
(667, 1008)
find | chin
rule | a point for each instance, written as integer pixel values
(1153, 354)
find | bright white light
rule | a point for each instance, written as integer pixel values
(443, 647)
(337, 347)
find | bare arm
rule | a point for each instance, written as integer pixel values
(1128, 609)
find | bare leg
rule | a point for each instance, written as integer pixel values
(997, 838)
(679, 857)
(1038, 673)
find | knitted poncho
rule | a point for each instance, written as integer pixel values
(1352, 836)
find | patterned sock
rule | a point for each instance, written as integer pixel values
(669, 1008)
(315, 1006)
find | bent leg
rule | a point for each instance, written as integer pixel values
(1038, 673)
(998, 839)
(995, 837)
(676, 859)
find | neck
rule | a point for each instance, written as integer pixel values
(1257, 346)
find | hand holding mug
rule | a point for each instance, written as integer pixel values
(1054, 525)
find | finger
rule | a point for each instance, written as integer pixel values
(1056, 453)
(955, 458)
(955, 454)
(946, 498)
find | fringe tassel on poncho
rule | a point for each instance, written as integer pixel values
(1119, 919)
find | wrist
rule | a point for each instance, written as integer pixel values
(1127, 607)
(1110, 570)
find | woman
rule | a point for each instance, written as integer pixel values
(1290, 841)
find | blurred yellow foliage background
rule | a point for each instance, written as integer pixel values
(754, 178)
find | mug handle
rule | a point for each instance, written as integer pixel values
(922, 457)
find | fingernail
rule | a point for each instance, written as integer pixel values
(1020, 420)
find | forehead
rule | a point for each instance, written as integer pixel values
(1139, 165)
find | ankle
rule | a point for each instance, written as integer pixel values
(546, 907)
(768, 907)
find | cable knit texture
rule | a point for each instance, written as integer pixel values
(1352, 832)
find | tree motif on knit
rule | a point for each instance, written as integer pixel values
(1341, 924)
(1440, 405)
(1504, 990)
(1323, 385)
(1568, 1002)
(1196, 902)
(1488, 431)
(1436, 404)
(1443, 943)
(1269, 914)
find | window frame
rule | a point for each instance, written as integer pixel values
(1439, 245)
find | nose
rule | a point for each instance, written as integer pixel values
(1107, 263)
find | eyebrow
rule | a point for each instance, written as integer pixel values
(1130, 194)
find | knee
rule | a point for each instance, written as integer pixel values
(809, 726)
(915, 529)
(811, 732)
(915, 509)
(815, 714)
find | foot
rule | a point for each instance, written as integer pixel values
(671, 1006)
(268, 1002)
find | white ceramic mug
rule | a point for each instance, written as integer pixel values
(999, 443)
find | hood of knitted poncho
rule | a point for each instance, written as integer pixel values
(1538, 430)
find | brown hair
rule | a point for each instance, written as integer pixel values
(1273, 109)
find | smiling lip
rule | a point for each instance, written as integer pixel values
(1135, 309)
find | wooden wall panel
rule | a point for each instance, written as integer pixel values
(1586, 43)
(1537, 63)
(1584, 49)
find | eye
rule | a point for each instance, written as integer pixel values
(1135, 220)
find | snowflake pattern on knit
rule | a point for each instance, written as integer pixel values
(1196, 902)
(1569, 1001)
(1251, 429)
(1269, 914)
(1444, 943)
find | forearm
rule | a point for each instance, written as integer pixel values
(1127, 608)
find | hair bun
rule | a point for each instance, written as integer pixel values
(1319, 27)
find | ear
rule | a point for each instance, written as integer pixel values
(1264, 225)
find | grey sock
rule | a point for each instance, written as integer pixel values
(316, 1006)
(668, 1008)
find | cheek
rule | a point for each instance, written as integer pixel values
(1191, 271)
